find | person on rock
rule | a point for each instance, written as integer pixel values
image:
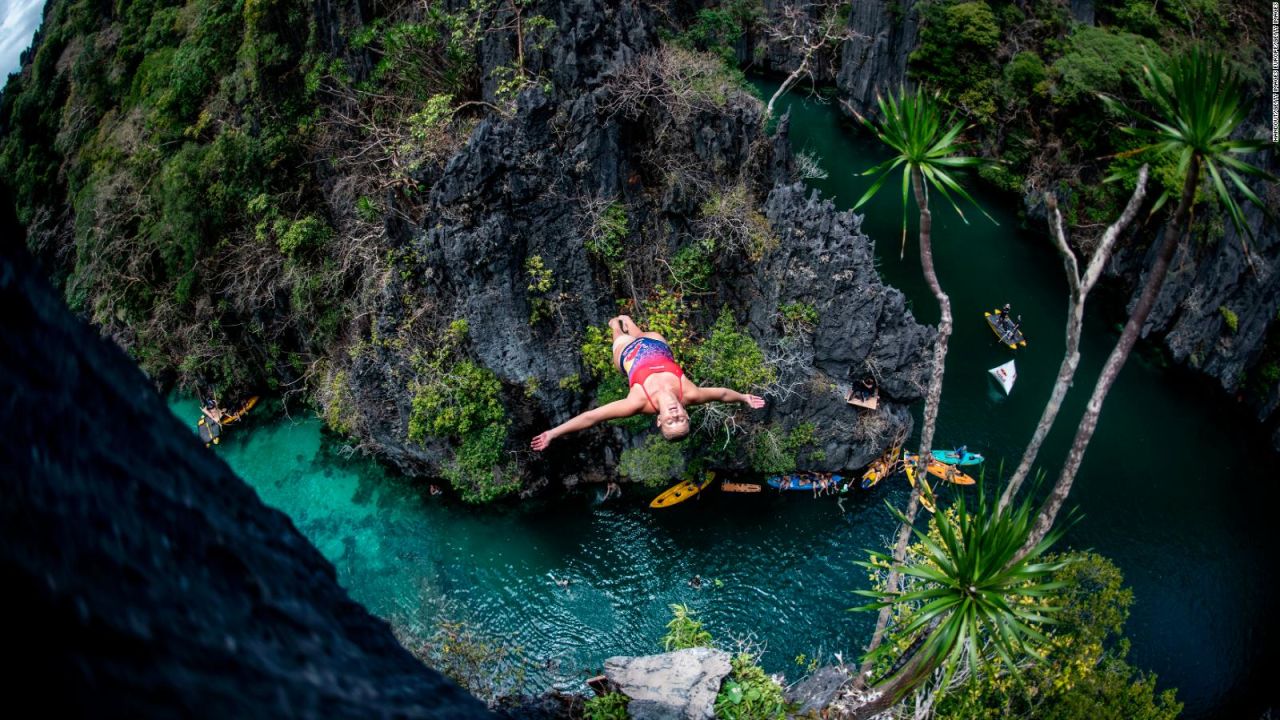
(658, 387)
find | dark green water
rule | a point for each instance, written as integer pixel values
(1167, 490)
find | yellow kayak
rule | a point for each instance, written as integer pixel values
(941, 470)
(881, 468)
(244, 409)
(680, 492)
(926, 492)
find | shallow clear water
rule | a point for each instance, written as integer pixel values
(1167, 490)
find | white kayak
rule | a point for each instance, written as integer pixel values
(1005, 375)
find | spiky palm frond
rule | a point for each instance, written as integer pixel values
(1199, 102)
(974, 588)
(912, 125)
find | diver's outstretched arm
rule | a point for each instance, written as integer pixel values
(719, 394)
(625, 407)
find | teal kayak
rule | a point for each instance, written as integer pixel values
(951, 458)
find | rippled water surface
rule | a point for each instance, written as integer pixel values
(1176, 488)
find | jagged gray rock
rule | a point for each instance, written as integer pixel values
(142, 577)
(876, 60)
(680, 685)
(525, 186)
(816, 692)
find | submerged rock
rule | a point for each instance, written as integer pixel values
(680, 685)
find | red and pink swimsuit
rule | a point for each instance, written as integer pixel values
(643, 357)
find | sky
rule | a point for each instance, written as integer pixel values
(18, 21)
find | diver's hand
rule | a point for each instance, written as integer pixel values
(541, 442)
(755, 401)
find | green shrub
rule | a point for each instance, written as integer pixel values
(1100, 60)
(611, 706)
(605, 238)
(799, 316)
(303, 236)
(731, 358)
(541, 280)
(684, 631)
(692, 265)
(655, 463)
(957, 47)
(750, 694)
(1083, 674)
(597, 353)
(476, 470)
(1230, 318)
(1025, 74)
(459, 400)
(774, 452)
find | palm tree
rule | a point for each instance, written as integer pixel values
(1078, 290)
(1199, 102)
(972, 594)
(925, 147)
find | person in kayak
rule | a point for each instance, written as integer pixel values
(213, 412)
(658, 386)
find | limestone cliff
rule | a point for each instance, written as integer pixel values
(143, 578)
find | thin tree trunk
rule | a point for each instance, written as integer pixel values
(930, 408)
(1079, 291)
(786, 85)
(888, 693)
(1115, 362)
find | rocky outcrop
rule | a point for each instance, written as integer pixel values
(533, 184)
(143, 578)
(816, 692)
(1211, 285)
(680, 685)
(875, 61)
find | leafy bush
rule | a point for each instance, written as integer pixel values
(597, 352)
(798, 316)
(750, 694)
(541, 279)
(1100, 60)
(655, 463)
(1230, 318)
(606, 235)
(730, 218)
(1083, 674)
(731, 358)
(611, 706)
(458, 400)
(692, 265)
(684, 631)
(1025, 74)
(305, 235)
(774, 452)
(958, 43)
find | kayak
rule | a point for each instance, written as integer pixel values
(734, 487)
(1005, 374)
(1008, 335)
(926, 493)
(211, 432)
(951, 458)
(881, 468)
(804, 481)
(942, 471)
(680, 492)
(244, 409)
